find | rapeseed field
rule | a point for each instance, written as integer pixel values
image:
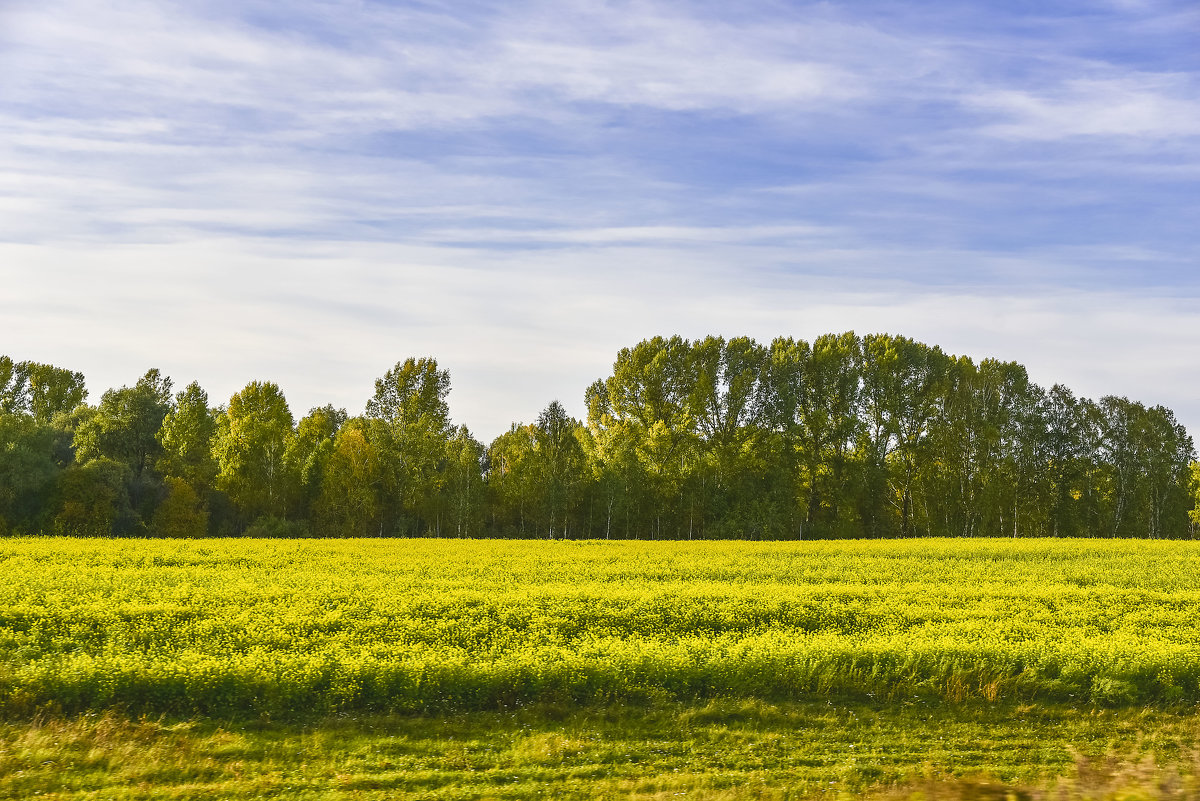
(282, 629)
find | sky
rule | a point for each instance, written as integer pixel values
(310, 192)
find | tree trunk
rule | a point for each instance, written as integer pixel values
(608, 519)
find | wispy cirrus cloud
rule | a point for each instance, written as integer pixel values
(1150, 108)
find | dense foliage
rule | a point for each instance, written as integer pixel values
(279, 627)
(847, 436)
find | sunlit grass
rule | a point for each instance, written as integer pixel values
(717, 750)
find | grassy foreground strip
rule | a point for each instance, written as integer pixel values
(724, 750)
(274, 629)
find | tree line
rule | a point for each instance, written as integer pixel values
(846, 436)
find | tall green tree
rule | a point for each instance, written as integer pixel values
(187, 437)
(1024, 441)
(12, 387)
(812, 397)
(308, 452)
(1123, 457)
(1194, 499)
(410, 429)
(126, 423)
(559, 467)
(463, 490)
(51, 390)
(123, 428)
(619, 483)
(349, 502)
(40, 390)
(649, 403)
(902, 383)
(727, 404)
(964, 449)
(1169, 451)
(252, 439)
(28, 472)
(512, 482)
(1068, 463)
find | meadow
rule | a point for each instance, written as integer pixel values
(1009, 657)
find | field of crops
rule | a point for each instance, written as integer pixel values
(285, 628)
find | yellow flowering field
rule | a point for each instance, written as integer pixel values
(294, 627)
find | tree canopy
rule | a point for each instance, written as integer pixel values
(846, 436)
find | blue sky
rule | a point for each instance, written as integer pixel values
(309, 192)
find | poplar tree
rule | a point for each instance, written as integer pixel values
(187, 436)
(410, 427)
(252, 438)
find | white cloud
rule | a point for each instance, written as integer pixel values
(1144, 106)
(174, 72)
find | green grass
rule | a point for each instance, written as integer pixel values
(718, 750)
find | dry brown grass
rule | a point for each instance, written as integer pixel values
(1108, 778)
